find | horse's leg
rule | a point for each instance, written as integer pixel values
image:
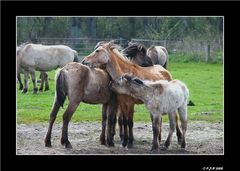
(172, 123)
(20, 81)
(125, 130)
(183, 117)
(120, 125)
(155, 127)
(25, 88)
(160, 130)
(111, 115)
(46, 82)
(51, 121)
(72, 106)
(130, 126)
(104, 120)
(35, 89)
(42, 81)
(178, 131)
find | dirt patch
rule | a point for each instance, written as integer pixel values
(201, 138)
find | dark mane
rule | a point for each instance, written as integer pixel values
(132, 50)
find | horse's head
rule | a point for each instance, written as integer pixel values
(100, 56)
(137, 53)
(127, 84)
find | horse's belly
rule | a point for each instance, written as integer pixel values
(96, 96)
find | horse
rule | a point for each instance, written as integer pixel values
(43, 58)
(44, 79)
(91, 80)
(138, 54)
(160, 97)
(82, 84)
(158, 55)
(107, 56)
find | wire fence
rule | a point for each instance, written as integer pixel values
(201, 49)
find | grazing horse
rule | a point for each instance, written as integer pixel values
(158, 55)
(82, 84)
(160, 97)
(31, 57)
(107, 55)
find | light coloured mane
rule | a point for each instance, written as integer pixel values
(120, 55)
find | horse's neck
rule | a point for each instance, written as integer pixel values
(116, 66)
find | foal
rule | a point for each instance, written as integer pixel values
(160, 97)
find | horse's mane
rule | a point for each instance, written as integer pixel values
(115, 49)
(133, 49)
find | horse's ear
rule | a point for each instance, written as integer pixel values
(140, 47)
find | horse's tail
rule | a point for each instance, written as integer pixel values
(61, 87)
(75, 56)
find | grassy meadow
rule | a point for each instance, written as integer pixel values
(205, 83)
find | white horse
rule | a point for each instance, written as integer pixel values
(43, 58)
(160, 97)
(158, 55)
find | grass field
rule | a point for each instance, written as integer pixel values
(205, 82)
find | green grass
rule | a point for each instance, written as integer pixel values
(205, 83)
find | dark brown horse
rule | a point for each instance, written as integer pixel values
(137, 53)
(116, 64)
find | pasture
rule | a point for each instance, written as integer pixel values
(205, 82)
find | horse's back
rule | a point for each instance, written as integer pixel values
(91, 83)
(46, 57)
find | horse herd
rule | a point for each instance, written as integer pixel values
(99, 79)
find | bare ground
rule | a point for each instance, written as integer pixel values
(201, 138)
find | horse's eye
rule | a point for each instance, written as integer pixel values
(97, 51)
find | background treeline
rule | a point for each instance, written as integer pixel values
(183, 34)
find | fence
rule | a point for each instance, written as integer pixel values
(84, 46)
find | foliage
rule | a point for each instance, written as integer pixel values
(204, 28)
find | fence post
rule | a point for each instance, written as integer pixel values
(207, 52)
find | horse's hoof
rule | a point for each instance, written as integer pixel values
(48, 144)
(46, 89)
(24, 91)
(164, 148)
(68, 146)
(154, 150)
(180, 141)
(102, 141)
(110, 143)
(35, 90)
(124, 144)
(130, 145)
(41, 89)
(183, 145)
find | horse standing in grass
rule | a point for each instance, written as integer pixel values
(107, 56)
(31, 57)
(158, 55)
(160, 97)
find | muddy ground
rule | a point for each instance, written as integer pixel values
(201, 138)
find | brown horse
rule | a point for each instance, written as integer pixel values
(82, 84)
(116, 64)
